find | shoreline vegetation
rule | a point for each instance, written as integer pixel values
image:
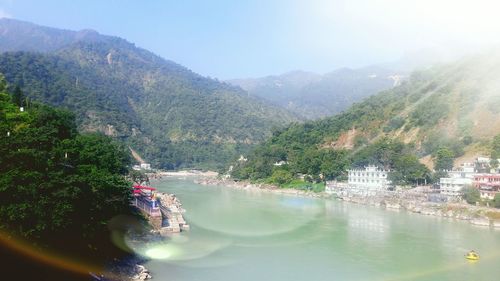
(476, 215)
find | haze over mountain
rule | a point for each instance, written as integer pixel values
(314, 96)
(172, 116)
(454, 106)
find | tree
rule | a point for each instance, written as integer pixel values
(3, 83)
(17, 96)
(139, 177)
(443, 159)
(409, 170)
(57, 184)
(471, 195)
(281, 176)
(494, 161)
(495, 152)
(334, 164)
(495, 147)
(438, 175)
(496, 201)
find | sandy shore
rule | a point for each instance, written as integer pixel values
(244, 185)
(184, 173)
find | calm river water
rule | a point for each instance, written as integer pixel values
(244, 235)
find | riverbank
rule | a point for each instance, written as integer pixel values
(183, 173)
(259, 187)
(160, 222)
(400, 200)
(476, 215)
(131, 269)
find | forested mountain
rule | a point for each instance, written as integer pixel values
(313, 95)
(172, 116)
(449, 111)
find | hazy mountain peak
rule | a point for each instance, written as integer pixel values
(313, 95)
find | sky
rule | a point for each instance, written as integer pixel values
(228, 39)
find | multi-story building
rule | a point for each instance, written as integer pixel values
(488, 185)
(453, 186)
(369, 178)
(457, 180)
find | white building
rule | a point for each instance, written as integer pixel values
(369, 178)
(457, 180)
(142, 166)
(453, 186)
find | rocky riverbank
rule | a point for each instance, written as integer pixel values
(259, 187)
(129, 268)
(141, 273)
(172, 212)
(418, 203)
(407, 201)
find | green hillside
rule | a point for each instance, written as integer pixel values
(172, 116)
(453, 108)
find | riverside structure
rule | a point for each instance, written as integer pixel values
(163, 210)
(370, 178)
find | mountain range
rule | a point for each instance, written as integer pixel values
(452, 109)
(312, 95)
(168, 114)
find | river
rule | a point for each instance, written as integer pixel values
(248, 235)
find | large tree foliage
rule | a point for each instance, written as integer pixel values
(58, 187)
(443, 159)
(407, 170)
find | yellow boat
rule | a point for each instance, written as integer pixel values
(472, 256)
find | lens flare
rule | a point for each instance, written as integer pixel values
(49, 258)
(158, 253)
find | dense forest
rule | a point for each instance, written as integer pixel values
(59, 188)
(172, 116)
(436, 117)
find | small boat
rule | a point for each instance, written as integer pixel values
(472, 256)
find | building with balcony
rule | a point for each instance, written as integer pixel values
(370, 178)
(457, 180)
(488, 185)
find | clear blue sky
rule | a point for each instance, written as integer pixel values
(237, 38)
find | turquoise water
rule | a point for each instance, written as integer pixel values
(244, 235)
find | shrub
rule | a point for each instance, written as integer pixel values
(496, 201)
(471, 195)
